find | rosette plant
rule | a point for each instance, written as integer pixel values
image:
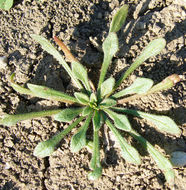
(96, 107)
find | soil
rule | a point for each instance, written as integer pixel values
(83, 26)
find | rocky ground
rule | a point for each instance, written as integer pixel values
(83, 26)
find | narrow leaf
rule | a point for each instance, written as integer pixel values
(46, 148)
(162, 123)
(47, 46)
(95, 174)
(167, 83)
(162, 162)
(67, 115)
(93, 98)
(48, 93)
(96, 120)
(19, 88)
(95, 161)
(120, 121)
(106, 103)
(78, 140)
(140, 86)
(110, 47)
(107, 86)
(81, 74)
(129, 153)
(86, 111)
(119, 19)
(10, 120)
(152, 49)
(82, 98)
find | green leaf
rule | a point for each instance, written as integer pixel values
(107, 86)
(47, 46)
(48, 93)
(96, 120)
(140, 86)
(19, 88)
(95, 174)
(67, 115)
(78, 140)
(86, 111)
(167, 83)
(10, 120)
(162, 123)
(82, 98)
(106, 103)
(152, 49)
(81, 74)
(93, 98)
(162, 162)
(95, 161)
(46, 148)
(120, 121)
(129, 153)
(110, 47)
(119, 19)
(6, 4)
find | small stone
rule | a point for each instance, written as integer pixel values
(7, 166)
(9, 143)
(141, 26)
(3, 62)
(99, 15)
(178, 158)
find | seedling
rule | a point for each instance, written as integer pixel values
(98, 106)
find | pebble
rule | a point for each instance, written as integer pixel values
(140, 25)
(3, 62)
(99, 15)
(178, 158)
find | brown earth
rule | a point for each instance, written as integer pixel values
(83, 26)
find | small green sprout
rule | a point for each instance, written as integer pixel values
(98, 106)
(6, 4)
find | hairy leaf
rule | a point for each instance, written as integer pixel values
(82, 98)
(67, 115)
(119, 19)
(162, 162)
(10, 120)
(96, 120)
(162, 123)
(129, 153)
(19, 88)
(110, 47)
(81, 74)
(48, 93)
(152, 49)
(108, 102)
(93, 98)
(140, 86)
(86, 111)
(46, 148)
(120, 121)
(95, 174)
(47, 46)
(107, 86)
(78, 140)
